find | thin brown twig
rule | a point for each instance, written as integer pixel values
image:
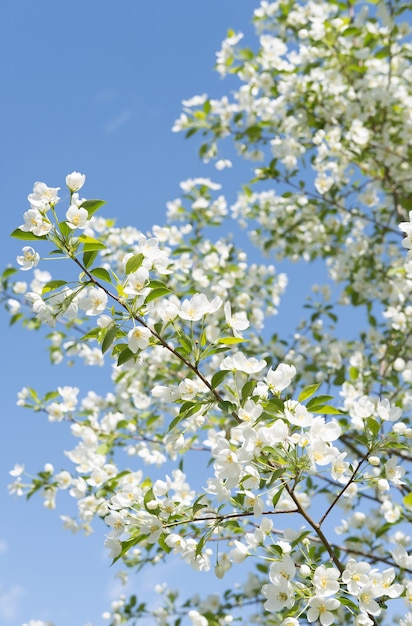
(316, 528)
(342, 491)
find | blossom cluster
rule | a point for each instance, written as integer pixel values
(223, 440)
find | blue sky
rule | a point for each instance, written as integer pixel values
(93, 87)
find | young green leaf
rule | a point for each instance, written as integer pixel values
(373, 426)
(230, 341)
(101, 273)
(109, 337)
(89, 243)
(92, 334)
(52, 285)
(186, 410)
(134, 263)
(247, 390)
(127, 545)
(65, 229)
(307, 392)
(92, 206)
(186, 343)
(157, 284)
(277, 497)
(22, 234)
(124, 356)
(89, 257)
(407, 500)
(157, 293)
(219, 378)
(9, 271)
(317, 401)
(325, 409)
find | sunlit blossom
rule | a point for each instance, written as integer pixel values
(138, 338)
(75, 181)
(29, 259)
(198, 306)
(77, 217)
(239, 362)
(94, 301)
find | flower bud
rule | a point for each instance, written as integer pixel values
(374, 460)
(75, 181)
(304, 571)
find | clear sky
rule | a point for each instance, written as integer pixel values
(94, 87)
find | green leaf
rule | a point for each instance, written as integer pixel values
(186, 355)
(132, 601)
(162, 543)
(154, 284)
(101, 274)
(214, 350)
(22, 234)
(407, 500)
(89, 257)
(261, 567)
(69, 299)
(382, 530)
(186, 410)
(254, 132)
(276, 497)
(92, 206)
(351, 30)
(65, 229)
(340, 377)
(103, 449)
(325, 409)
(148, 497)
(307, 392)
(15, 318)
(230, 341)
(36, 485)
(52, 285)
(134, 263)
(109, 337)
(9, 271)
(89, 243)
(198, 504)
(275, 475)
(274, 406)
(92, 334)
(317, 401)
(406, 202)
(186, 343)
(383, 53)
(373, 426)
(354, 608)
(226, 407)
(218, 378)
(157, 293)
(127, 545)
(247, 390)
(50, 395)
(190, 132)
(202, 542)
(125, 355)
